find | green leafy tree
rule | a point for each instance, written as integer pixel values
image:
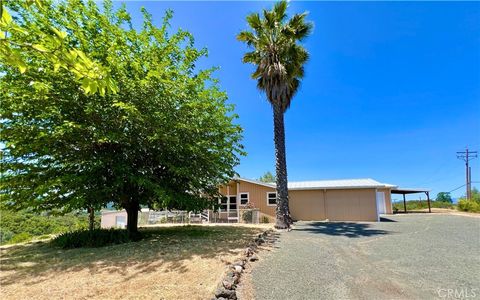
(267, 177)
(279, 60)
(444, 197)
(22, 36)
(166, 139)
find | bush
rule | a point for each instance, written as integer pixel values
(25, 223)
(469, 205)
(5, 235)
(95, 238)
(247, 216)
(21, 237)
(264, 219)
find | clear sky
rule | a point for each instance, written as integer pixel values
(391, 91)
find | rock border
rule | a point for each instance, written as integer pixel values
(228, 286)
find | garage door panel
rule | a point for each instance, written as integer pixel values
(351, 205)
(307, 205)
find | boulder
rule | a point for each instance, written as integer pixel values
(253, 258)
(239, 263)
(237, 269)
(229, 283)
(223, 292)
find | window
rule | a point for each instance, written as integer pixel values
(243, 198)
(120, 221)
(223, 203)
(271, 199)
(233, 202)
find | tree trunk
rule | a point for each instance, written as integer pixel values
(283, 219)
(132, 217)
(91, 219)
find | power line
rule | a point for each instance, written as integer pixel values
(466, 156)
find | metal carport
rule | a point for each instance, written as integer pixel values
(405, 191)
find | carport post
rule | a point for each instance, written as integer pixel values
(428, 200)
(404, 204)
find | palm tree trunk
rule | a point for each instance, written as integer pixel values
(283, 219)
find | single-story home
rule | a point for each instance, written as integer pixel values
(334, 200)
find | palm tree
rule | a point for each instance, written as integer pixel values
(279, 60)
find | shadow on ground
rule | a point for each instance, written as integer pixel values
(167, 248)
(347, 229)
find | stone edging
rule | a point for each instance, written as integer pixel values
(227, 288)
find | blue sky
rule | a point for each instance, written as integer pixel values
(391, 92)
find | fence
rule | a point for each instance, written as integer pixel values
(248, 216)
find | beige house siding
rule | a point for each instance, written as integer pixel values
(307, 205)
(351, 205)
(258, 196)
(109, 218)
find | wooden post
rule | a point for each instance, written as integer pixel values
(428, 200)
(404, 204)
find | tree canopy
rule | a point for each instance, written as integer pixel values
(267, 177)
(166, 139)
(444, 197)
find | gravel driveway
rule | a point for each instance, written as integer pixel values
(409, 257)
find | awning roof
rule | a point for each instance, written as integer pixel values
(409, 190)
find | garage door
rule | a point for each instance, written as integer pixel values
(351, 205)
(307, 205)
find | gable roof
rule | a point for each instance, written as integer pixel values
(326, 184)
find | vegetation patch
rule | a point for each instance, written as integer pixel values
(421, 204)
(22, 226)
(94, 238)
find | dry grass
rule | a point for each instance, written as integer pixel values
(184, 262)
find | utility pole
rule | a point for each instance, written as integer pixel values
(466, 156)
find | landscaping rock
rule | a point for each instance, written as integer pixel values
(229, 283)
(227, 288)
(238, 269)
(230, 274)
(253, 258)
(240, 263)
(236, 279)
(228, 294)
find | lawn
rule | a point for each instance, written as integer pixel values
(182, 262)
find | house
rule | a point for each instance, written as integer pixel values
(335, 200)
(251, 201)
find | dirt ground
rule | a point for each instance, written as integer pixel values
(175, 264)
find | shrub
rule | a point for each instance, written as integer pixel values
(247, 216)
(469, 205)
(264, 219)
(13, 223)
(21, 237)
(5, 235)
(95, 238)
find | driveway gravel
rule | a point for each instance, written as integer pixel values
(419, 256)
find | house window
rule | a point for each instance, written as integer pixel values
(223, 203)
(243, 198)
(271, 199)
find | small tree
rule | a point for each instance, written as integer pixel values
(166, 139)
(444, 197)
(267, 177)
